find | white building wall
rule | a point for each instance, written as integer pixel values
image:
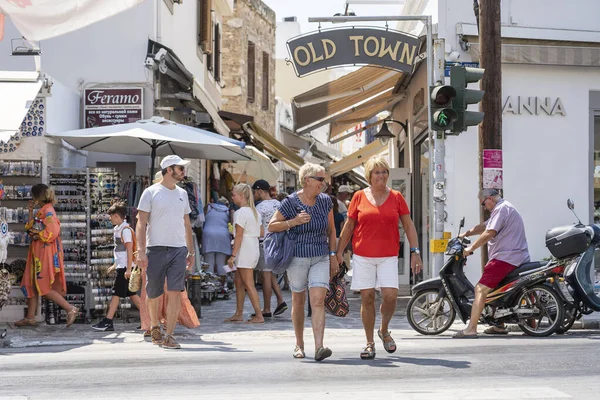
(546, 158)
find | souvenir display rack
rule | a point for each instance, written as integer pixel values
(16, 179)
(84, 196)
(71, 187)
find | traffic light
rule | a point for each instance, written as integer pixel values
(442, 114)
(460, 77)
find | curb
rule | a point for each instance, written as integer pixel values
(582, 324)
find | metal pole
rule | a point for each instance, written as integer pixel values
(439, 149)
(425, 245)
(153, 161)
(426, 19)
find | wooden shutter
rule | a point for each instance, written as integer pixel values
(210, 58)
(205, 25)
(217, 53)
(265, 81)
(251, 72)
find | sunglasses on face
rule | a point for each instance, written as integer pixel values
(483, 202)
(318, 178)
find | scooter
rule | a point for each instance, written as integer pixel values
(578, 244)
(529, 296)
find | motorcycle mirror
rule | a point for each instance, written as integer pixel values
(570, 204)
(462, 222)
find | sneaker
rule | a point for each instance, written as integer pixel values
(170, 343)
(280, 309)
(105, 325)
(157, 336)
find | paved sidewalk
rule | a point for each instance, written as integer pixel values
(212, 325)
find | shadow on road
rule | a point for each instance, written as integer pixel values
(392, 362)
(433, 362)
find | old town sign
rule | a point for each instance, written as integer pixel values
(339, 47)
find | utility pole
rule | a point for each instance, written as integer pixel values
(490, 59)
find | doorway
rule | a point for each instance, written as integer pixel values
(420, 205)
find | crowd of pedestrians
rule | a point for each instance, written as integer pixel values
(324, 228)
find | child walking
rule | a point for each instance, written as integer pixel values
(124, 245)
(245, 253)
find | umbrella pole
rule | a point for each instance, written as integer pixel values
(152, 158)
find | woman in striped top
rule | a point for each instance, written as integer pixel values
(307, 215)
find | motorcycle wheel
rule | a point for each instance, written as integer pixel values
(548, 314)
(422, 315)
(569, 320)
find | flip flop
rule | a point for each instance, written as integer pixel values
(463, 335)
(252, 321)
(494, 330)
(231, 319)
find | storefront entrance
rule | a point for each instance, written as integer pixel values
(420, 204)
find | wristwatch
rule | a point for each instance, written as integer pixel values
(332, 253)
(415, 250)
(191, 254)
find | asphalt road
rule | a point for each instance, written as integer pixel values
(257, 364)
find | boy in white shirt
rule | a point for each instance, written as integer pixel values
(124, 248)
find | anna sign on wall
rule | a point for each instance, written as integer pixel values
(338, 47)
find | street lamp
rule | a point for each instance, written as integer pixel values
(384, 134)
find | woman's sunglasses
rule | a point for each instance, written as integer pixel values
(318, 178)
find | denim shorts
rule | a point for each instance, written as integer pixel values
(308, 271)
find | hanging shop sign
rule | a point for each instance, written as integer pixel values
(112, 106)
(339, 47)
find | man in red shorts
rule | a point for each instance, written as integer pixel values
(504, 234)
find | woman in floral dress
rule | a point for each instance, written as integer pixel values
(45, 272)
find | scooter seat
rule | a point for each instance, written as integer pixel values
(530, 266)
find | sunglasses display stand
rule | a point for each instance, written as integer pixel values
(84, 196)
(71, 189)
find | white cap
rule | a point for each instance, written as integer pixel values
(172, 160)
(344, 189)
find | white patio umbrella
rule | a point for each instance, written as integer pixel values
(259, 167)
(157, 136)
(43, 19)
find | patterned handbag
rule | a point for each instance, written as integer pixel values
(336, 302)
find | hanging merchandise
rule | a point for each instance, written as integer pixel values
(131, 191)
(33, 125)
(195, 200)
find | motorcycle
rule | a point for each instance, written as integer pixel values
(578, 244)
(529, 296)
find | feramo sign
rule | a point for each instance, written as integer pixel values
(340, 47)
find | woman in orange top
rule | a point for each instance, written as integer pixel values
(45, 272)
(373, 218)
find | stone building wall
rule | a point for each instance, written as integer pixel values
(252, 21)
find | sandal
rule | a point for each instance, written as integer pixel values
(72, 315)
(368, 352)
(322, 353)
(25, 322)
(389, 346)
(299, 352)
(463, 335)
(496, 330)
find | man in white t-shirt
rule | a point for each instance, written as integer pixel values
(164, 235)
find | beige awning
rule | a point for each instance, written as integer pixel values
(343, 97)
(211, 108)
(273, 146)
(356, 159)
(537, 54)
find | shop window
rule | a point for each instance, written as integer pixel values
(251, 71)
(265, 81)
(205, 25)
